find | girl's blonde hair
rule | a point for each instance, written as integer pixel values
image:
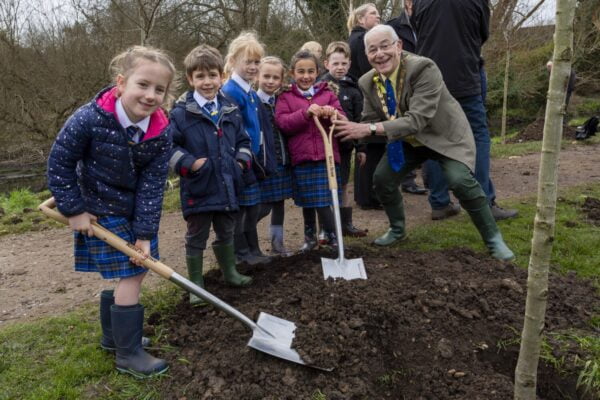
(272, 60)
(245, 45)
(357, 14)
(125, 62)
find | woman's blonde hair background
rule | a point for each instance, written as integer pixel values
(356, 14)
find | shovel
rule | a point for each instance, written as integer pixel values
(341, 267)
(270, 334)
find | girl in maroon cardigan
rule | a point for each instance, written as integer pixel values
(294, 113)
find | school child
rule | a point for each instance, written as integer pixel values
(294, 113)
(337, 63)
(242, 61)
(210, 152)
(277, 187)
(109, 164)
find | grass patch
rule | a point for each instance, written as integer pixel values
(19, 212)
(60, 357)
(500, 150)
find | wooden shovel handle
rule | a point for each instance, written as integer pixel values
(48, 207)
(329, 159)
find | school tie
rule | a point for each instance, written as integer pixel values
(394, 149)
(307, 95)
(211, 109)
(135, 133)
(272, 100)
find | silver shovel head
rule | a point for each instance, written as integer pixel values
(343, 268)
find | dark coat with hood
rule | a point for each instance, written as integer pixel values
(359, 64)
(216, 185)
(93, 168)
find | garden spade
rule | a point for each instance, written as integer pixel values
(340, 267)
(270, 334)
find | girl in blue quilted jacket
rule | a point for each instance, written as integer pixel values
(109, 164)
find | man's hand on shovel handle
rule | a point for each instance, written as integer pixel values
(347, 130)
(83, 223)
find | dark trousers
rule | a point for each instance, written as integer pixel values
(363, 189)
(198, 229)
(460, 179)
(438, 186)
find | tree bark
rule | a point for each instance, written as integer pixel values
(543, 232)
(505, 93)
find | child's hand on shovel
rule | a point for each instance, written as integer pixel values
(143, 248)
(82, 223)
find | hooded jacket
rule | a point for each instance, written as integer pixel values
(93, 168)
(215, 185)
(305, 142)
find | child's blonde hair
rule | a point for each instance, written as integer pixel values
(313, 47)
(124, 63)
(272, 60)
(245, 45)
(337, 47)
(357, 14)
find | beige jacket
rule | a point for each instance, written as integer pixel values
(430, 113)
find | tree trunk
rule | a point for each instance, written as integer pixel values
(543, 232)
(505, 92)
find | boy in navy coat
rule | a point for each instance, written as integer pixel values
(210, 152)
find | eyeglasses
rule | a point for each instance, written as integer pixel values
(372, 50)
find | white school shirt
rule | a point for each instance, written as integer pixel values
(126, 122)
(201, 100)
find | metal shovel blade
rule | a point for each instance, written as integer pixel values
(344, 268)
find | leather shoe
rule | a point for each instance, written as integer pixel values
(414, 189)
(502, 213)
(449, 211)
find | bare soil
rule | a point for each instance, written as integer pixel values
(423, 326)
(535, 131)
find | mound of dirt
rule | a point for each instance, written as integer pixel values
(535, 131)
(423, 326)
(591, 207)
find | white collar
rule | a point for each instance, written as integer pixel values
(201, 100)
(310, 91)
(264, 97)
(126, 122)
(240, 81)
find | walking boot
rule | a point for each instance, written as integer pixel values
(127, 325)
(226, 260)
(107, 299)
(396, 233)
(194, 267)
(277, 246)
(484, 221)
(332, 240)
(310, 239)
(256, 255)
(348, 228)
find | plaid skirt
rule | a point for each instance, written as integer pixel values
(250, 196)
(278, 186)
(94, 255)
(311, 188)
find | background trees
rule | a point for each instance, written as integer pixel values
(53, 59)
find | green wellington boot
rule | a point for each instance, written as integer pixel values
(194, 267)
(396, 233)
(484, 221)
(226, 258)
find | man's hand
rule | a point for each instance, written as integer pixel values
(347, 130)
(83, 223)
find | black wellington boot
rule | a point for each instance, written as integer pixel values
(107, 299)
(310, 239)
(348, 228)
(127, 324)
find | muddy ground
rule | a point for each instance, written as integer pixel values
(423, 326)
(535, 131)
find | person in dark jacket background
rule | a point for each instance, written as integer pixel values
(464, 24)
(337, 63)
(210, 152)
(360, 20)
(407, 34)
